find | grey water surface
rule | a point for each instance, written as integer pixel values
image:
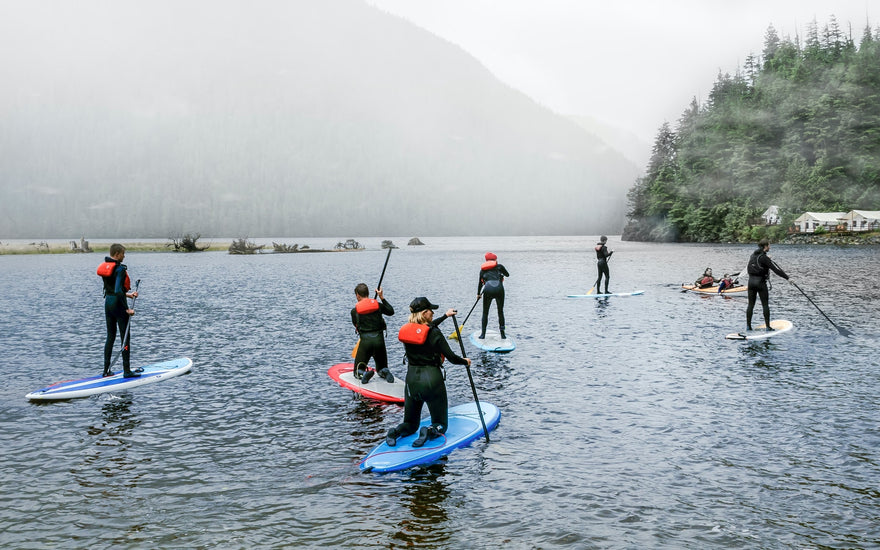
(626, 422)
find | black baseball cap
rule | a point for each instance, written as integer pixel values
(420, 304)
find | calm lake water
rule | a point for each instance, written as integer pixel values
(626, 423)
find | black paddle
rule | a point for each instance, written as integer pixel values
(454, 335)
(841, 330)
(137, 284)
(383, 273)
(471, 378)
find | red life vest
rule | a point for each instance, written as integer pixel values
(488, 265)
(706, 281)
(367, 305)
(106, 270)
(413, 333)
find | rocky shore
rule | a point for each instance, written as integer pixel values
(839, 239)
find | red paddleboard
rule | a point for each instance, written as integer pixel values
(377, 388)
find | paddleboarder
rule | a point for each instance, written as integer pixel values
(602, 255)
(491, 287)
(117, 313)
(426, 347)
(758, 268)
(370, 325)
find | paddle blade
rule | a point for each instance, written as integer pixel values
(592, 288)
(454, 335)
(354, 350)
(843, 331)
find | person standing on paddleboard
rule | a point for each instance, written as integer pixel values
(117, 290)
(491, 287)
(426, 347)
(602, 255)
(370, 325)
(759, 267)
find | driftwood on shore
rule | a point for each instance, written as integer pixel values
(186, 243)
(349, 244)
(244, 246)
(83, 245)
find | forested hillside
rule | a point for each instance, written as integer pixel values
(797, 127)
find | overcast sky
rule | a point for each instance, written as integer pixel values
(632, 64)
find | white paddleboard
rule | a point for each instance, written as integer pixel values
(633, 293)
(376, 388)
(760, 333)
(493, 342)
(84, 387)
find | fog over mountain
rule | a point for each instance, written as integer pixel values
(330, 118)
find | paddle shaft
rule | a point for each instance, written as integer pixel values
(841, 330)
(383, 272)
(471, 378)
(137, 285)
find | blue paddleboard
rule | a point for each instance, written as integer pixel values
(464, 427)
(633, 293)
(493, 342)
(93, 385)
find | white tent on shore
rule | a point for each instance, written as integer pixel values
(810, 221)
(862, 220)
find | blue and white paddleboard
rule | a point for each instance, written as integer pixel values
(493, 342)
(464, 427)
(93, 385)
(760, 333)
(633, 293)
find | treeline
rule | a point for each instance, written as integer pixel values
(797, 127)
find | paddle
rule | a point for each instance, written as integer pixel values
(471, 378)
(841, 330)
(382, 276)
(127, 330)
(454, 335)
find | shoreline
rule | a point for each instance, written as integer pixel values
(103, 247)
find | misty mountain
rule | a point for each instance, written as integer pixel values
(130, 119)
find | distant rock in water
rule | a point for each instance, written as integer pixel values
(415, 242)
(388, 244)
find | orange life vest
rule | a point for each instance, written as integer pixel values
(413, 333)
(367, 305)
(488, 265)
(106, 270)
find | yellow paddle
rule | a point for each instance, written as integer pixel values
(454, 335)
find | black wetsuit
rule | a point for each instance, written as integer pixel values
(116, 315)
(759, 268)
(492, 286)
(425, 381)
(371, 329)
(602, 255)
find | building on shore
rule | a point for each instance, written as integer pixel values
(861, 220)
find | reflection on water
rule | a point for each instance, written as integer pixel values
(426, 495)
(111, 441)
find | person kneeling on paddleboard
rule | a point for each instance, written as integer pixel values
(370, 325)
(426, 348)
(117, 288)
